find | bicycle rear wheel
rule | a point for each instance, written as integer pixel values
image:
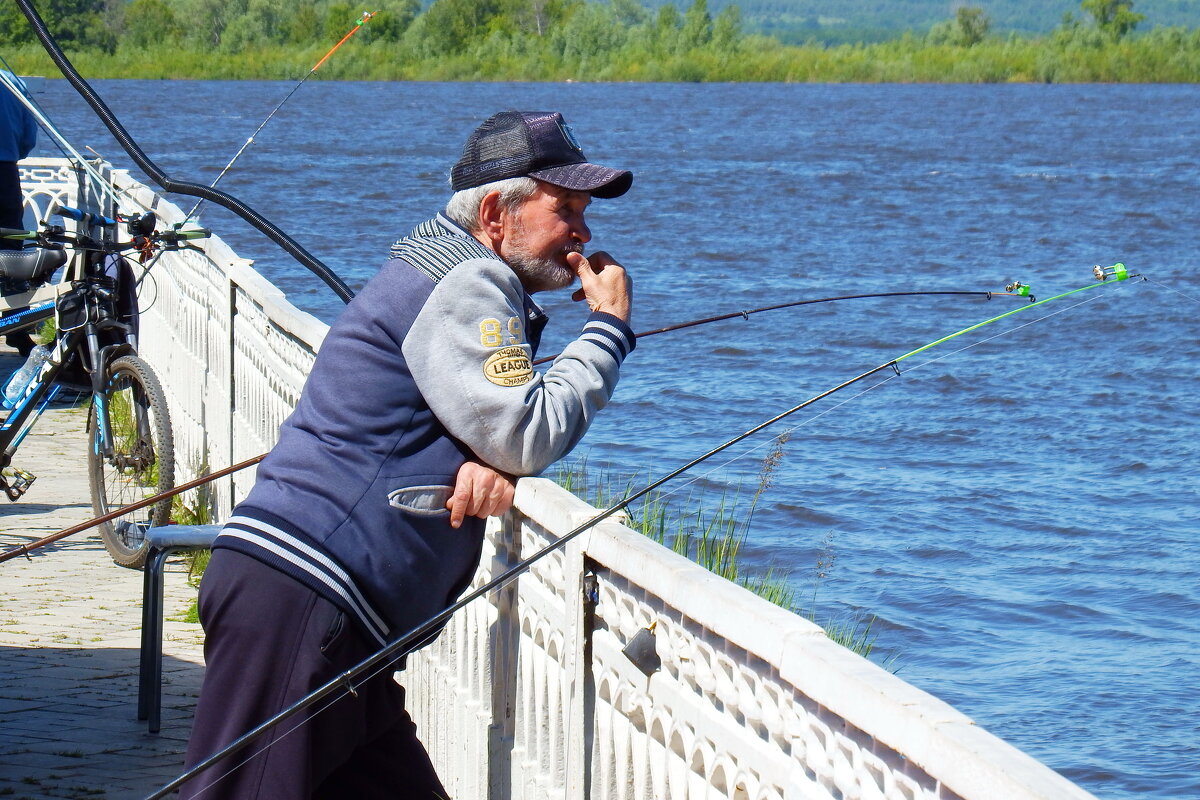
(142, 463)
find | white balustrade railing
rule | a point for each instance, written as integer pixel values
(46, 182)
(536, 691)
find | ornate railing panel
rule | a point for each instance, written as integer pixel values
(613, 668)
(44, 183)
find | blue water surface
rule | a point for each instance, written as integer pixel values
(1018, 508)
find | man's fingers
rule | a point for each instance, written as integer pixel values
(479, 491)
(500, 498)
(465, 487)
(578, 262)
(457, 511)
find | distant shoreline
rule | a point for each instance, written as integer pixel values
(1161, 56)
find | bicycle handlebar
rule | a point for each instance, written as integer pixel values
(16, 233)
(82, 216)
(140, 226)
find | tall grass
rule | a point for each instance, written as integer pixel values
(711, 532)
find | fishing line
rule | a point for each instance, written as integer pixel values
(349, 692)
(1021, 293)
(60, 141)
(756, 447)
(156, 174)
(286, 733)
(1172, 289)
(366, 15)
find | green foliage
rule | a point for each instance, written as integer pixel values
(714, 537)
(78, 24)
(833, 22)
(608, 40)
(1114, 18)
(968, 28)
(148, 22)
(47, 332)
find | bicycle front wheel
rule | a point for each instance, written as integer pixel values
(139, 461)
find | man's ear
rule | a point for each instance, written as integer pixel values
(491, 219)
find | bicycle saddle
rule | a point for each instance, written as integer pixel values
(33, 264)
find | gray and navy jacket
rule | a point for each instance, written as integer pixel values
(427, 367)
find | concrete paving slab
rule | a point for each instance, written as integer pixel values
(70, 623)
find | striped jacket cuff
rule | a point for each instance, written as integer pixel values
(609, 333)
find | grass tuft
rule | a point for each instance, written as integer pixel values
(713, 538)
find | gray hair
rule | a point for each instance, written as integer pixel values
(463, 206)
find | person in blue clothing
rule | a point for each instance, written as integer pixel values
(421, 409)
(18, 135)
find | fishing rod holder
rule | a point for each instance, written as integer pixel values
(1116, 271)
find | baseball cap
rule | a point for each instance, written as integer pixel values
(537, 144)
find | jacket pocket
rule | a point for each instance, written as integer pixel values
(425, 501)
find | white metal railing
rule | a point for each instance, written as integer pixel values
(45, 182)
(530, 693)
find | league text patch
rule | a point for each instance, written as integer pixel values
(508, 366)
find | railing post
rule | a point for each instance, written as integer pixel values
(577, 751)
(505, 649)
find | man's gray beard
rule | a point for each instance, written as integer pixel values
(539, 274)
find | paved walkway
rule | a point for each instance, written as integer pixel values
(69, 628)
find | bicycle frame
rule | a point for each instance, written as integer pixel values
(27, 317)
(96, 311)
(38, 395)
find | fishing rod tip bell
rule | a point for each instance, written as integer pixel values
(1018, 288)
(1116, 271)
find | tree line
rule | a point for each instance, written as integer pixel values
(1104, 40)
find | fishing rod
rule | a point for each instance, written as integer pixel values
(127, 142)
(64, 146)
(1012, 290)
(366, 15)
(25, 549)
(409, 641)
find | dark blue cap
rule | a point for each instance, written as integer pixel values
(537, 144)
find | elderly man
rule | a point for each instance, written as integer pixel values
(367, 517)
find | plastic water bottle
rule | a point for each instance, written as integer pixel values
(14, 390)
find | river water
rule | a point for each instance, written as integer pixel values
(1020, 516)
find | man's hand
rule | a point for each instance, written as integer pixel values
(479, 491)
(603, 283)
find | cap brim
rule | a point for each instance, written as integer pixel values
(603, 182)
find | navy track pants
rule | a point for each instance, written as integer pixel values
(268, 642)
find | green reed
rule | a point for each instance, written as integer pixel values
(711, 532)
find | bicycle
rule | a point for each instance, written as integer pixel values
(130, 443)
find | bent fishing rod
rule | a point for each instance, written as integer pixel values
(168, 184)
(26, 549)
(1012, 290)
(406, 643)
(1015, 289)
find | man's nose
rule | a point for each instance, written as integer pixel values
(580, 232)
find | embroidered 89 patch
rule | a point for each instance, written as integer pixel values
(509, 365)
